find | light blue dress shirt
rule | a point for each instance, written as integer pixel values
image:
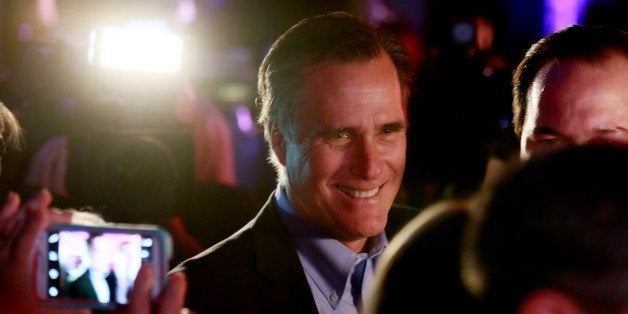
(330, 267)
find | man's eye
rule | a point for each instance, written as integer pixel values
(611, 141)
(548, 140)
(337, 137)
(392, 128)
(603, 141)
(611, 137)
(341, 134)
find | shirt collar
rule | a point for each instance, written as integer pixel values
(327, 261)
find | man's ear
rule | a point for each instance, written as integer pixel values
(277, 144)
(549, 301)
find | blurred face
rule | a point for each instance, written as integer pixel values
(576, 103)
(346, 165)
(101, 256)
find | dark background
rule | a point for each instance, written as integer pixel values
(133, 162)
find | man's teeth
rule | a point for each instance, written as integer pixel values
(359, 194)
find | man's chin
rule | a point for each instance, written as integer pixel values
(371, 225)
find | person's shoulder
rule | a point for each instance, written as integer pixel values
(234, 250)
(425, 251)
(443, 218)
(438, 226)
(215, 273)
(236, 246)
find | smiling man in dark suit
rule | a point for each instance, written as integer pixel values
(99, 281)
(333, 92)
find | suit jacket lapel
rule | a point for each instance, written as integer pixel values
(288, 286)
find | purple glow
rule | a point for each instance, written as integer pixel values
(47, 10)
(243, 118)
(186, 11)
(25, 32)
(562, 13)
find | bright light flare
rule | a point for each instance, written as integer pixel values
(147, 50)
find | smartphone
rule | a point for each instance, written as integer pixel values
(96, 266)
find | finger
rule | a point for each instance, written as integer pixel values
(21, 249)
(10, 206)
(35, 221)
(61, 216)
(40, 201)
(11, 228)
(12, 220)
(139, 298)
(172, 298)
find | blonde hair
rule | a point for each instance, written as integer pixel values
(11, 133)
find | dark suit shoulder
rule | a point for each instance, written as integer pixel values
(217, 277)
(238, 247)
(256, 270)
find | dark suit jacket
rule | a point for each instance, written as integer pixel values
(257, 270)
(82, 288)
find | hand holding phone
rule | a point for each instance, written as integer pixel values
(19, 226)
(170, 300)
(96, 266)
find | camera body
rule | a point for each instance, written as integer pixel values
(95, 266)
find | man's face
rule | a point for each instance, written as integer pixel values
(346, 165)
(101, 255)
(575, 103)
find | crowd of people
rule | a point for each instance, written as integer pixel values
(334, 94)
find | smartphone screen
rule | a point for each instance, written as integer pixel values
(95, 266)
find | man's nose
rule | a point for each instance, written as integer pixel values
(366, 161)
